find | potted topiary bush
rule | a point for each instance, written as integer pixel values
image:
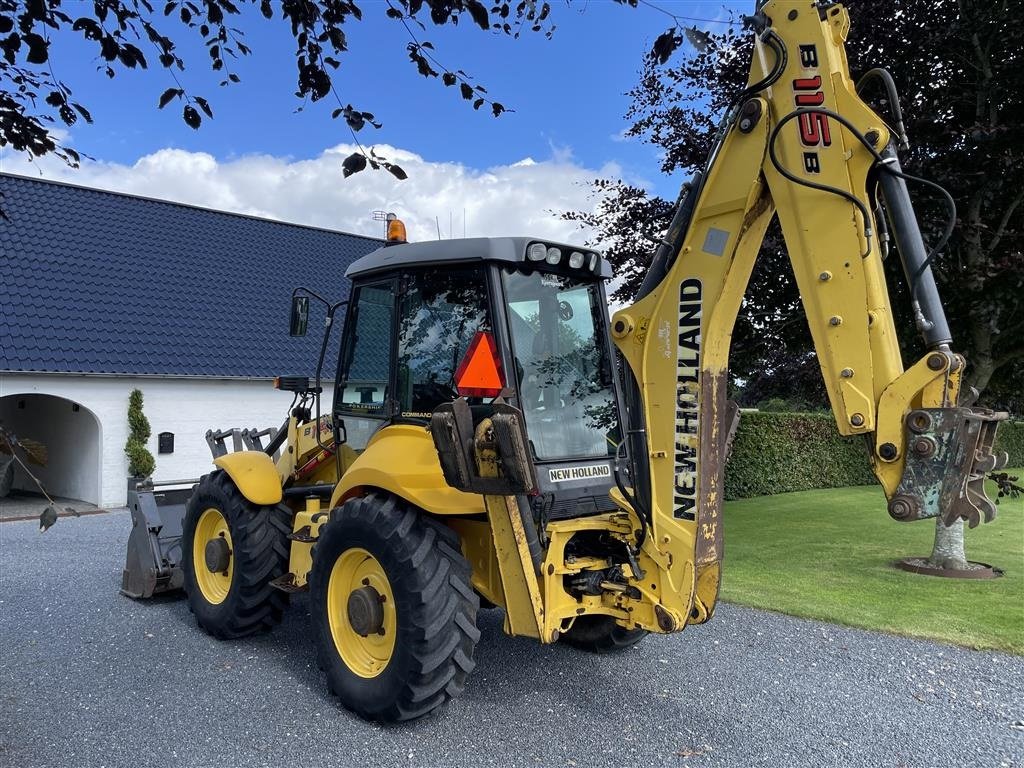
(140, 461)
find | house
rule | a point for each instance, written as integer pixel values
(102, 293)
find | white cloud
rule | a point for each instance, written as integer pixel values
(516, 199)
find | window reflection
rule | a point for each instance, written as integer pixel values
(441, 311)
(561, 365)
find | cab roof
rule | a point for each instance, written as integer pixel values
(474, 249)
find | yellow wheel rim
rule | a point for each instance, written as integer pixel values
(358, 570)
(213, 584)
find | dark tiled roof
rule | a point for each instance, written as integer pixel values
(99, 282)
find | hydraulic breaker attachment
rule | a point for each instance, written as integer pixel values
(949, 451)
(153, 564)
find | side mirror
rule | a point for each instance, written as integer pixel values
(300, 315)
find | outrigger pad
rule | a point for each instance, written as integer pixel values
(949, 452)
(453, 427)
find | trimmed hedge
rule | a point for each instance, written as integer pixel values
(782, 452)
(140, 461)
(1010, 438)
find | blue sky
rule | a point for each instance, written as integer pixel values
(568, 93)
(469, 172)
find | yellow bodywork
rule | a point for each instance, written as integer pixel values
(401, 459)
(838, 269)
(675, 577)
(255, 475)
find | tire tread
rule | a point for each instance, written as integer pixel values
(438, 628)
(259, 535)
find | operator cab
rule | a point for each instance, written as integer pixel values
(520, 318)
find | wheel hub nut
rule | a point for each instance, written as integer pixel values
(217, 555)
(365, 611)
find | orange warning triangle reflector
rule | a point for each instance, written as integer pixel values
(479, 373)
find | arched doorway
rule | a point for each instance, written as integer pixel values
(71, 434)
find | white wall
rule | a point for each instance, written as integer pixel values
(186, 407)
(71, 436)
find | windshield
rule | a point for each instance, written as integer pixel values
(561, 365)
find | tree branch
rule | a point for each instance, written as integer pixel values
(1008, 357)
(1004, 221)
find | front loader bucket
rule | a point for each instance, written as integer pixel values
(153, 563)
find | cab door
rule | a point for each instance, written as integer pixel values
(364, 394)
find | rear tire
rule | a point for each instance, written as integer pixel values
(259, 546)
(418, 652)
(600, 634)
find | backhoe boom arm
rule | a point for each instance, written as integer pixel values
(801, 144)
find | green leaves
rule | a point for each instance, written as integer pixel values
(189, 113)
(355, 119)
(700, 40)
(420, 60)
(354, 163)
(140, 461)
(358, 161)
(664, 45)
(191, 117)
(479, 13)
(32, 99)
(203, 105)
(38, 48)
(168, 95)
(395, 171)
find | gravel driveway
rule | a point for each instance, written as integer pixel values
(91, 678)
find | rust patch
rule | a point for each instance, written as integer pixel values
(713, 441)
(763, 204)
(665, 621)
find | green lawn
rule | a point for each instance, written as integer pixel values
(828, 555)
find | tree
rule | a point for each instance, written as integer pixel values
(127, 34)
(140, 460)
(964, 111)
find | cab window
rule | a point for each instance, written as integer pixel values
(366, 362)
(439, 314)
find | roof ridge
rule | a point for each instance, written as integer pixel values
(180, 204)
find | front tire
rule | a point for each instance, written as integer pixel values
(392, 609)
(231, 550)
(600, 634)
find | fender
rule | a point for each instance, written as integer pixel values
(401, 459)
(255, 475)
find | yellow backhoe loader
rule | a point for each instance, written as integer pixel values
(495, 438)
